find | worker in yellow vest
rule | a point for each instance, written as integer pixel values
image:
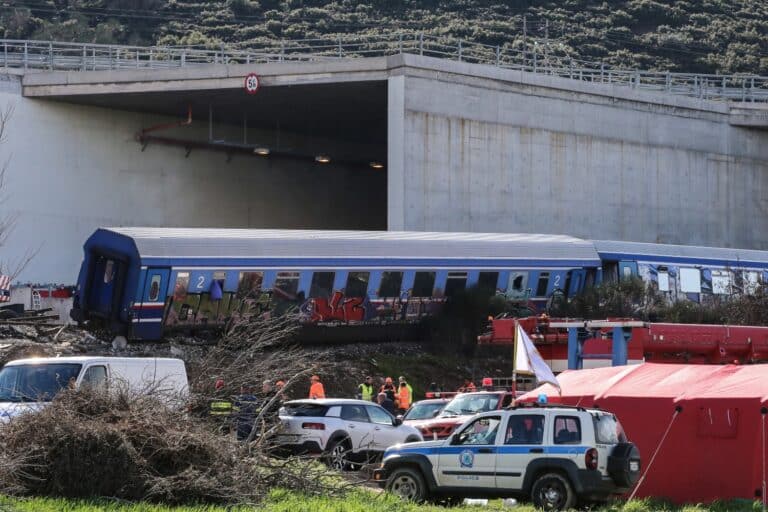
(365, 390)
(221, 407)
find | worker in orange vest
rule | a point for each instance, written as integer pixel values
(316, 390)
(404, 398)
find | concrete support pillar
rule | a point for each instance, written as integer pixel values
(396, 153)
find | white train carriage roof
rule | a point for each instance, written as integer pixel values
(203, 243)
(684, 254)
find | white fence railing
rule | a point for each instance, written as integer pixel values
(537, 58)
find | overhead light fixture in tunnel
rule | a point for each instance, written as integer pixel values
(322, 159)
(261, 151)
(376, 165)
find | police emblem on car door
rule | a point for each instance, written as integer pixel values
(470, 458)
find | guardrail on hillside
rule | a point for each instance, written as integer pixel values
(539, 58)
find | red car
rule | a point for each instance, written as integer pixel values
(424, 411)
(460, 409)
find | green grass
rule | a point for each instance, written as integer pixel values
(359, 501)
(63, 505)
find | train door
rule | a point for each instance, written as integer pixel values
(148, 314)
(576, 277)
(105, 286)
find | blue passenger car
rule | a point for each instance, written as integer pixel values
(141, 282)
(682, 272)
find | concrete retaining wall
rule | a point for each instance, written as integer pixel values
(490, 153)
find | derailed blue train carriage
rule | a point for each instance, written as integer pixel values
(142, 282)
(681, 272)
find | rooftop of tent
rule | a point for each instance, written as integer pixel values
(266, 243)
(677, 382)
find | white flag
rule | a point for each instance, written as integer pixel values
(528, 360)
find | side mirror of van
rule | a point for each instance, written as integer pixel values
(436, 413)
(398, 421)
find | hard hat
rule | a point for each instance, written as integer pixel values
(487, 381)
(542, 399)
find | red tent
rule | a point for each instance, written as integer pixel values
(715, 446)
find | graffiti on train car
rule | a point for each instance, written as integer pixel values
(338, 308)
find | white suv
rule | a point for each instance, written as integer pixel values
(340, 430)
(554, 455)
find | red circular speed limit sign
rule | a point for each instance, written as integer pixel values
(252, 83)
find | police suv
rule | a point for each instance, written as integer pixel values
(555, 455)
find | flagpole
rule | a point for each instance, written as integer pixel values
(514, 367)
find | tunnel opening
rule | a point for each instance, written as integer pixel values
(309, 156)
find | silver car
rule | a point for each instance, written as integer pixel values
(342, 431)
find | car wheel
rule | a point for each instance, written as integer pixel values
(553, 491)
(408, 484)
(336, 457)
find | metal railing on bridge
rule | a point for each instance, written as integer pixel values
(537, 58)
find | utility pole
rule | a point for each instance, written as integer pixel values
(546, 43)
(525, 39)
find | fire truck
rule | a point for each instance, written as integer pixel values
(575, 344)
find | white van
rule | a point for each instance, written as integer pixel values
(27, 384)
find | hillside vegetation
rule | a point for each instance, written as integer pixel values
(715, 36)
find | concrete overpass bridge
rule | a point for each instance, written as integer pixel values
(411, 134)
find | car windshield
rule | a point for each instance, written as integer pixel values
(471, 404)
(36, 382)
(424, 411)
(608, 430)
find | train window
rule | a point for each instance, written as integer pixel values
(750, 282)
(721, 282)
(182, 283)
(487, 281)
(690, 280)
(663, 278)
(517, 284)
(154, 288)
(423, 284)
(322, 284)
(357, 284)
(542, 284)
(249, 284)
(390, 284)
(286, 285)
(109, 271)
(455, 283)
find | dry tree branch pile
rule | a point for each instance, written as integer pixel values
(117, 443)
